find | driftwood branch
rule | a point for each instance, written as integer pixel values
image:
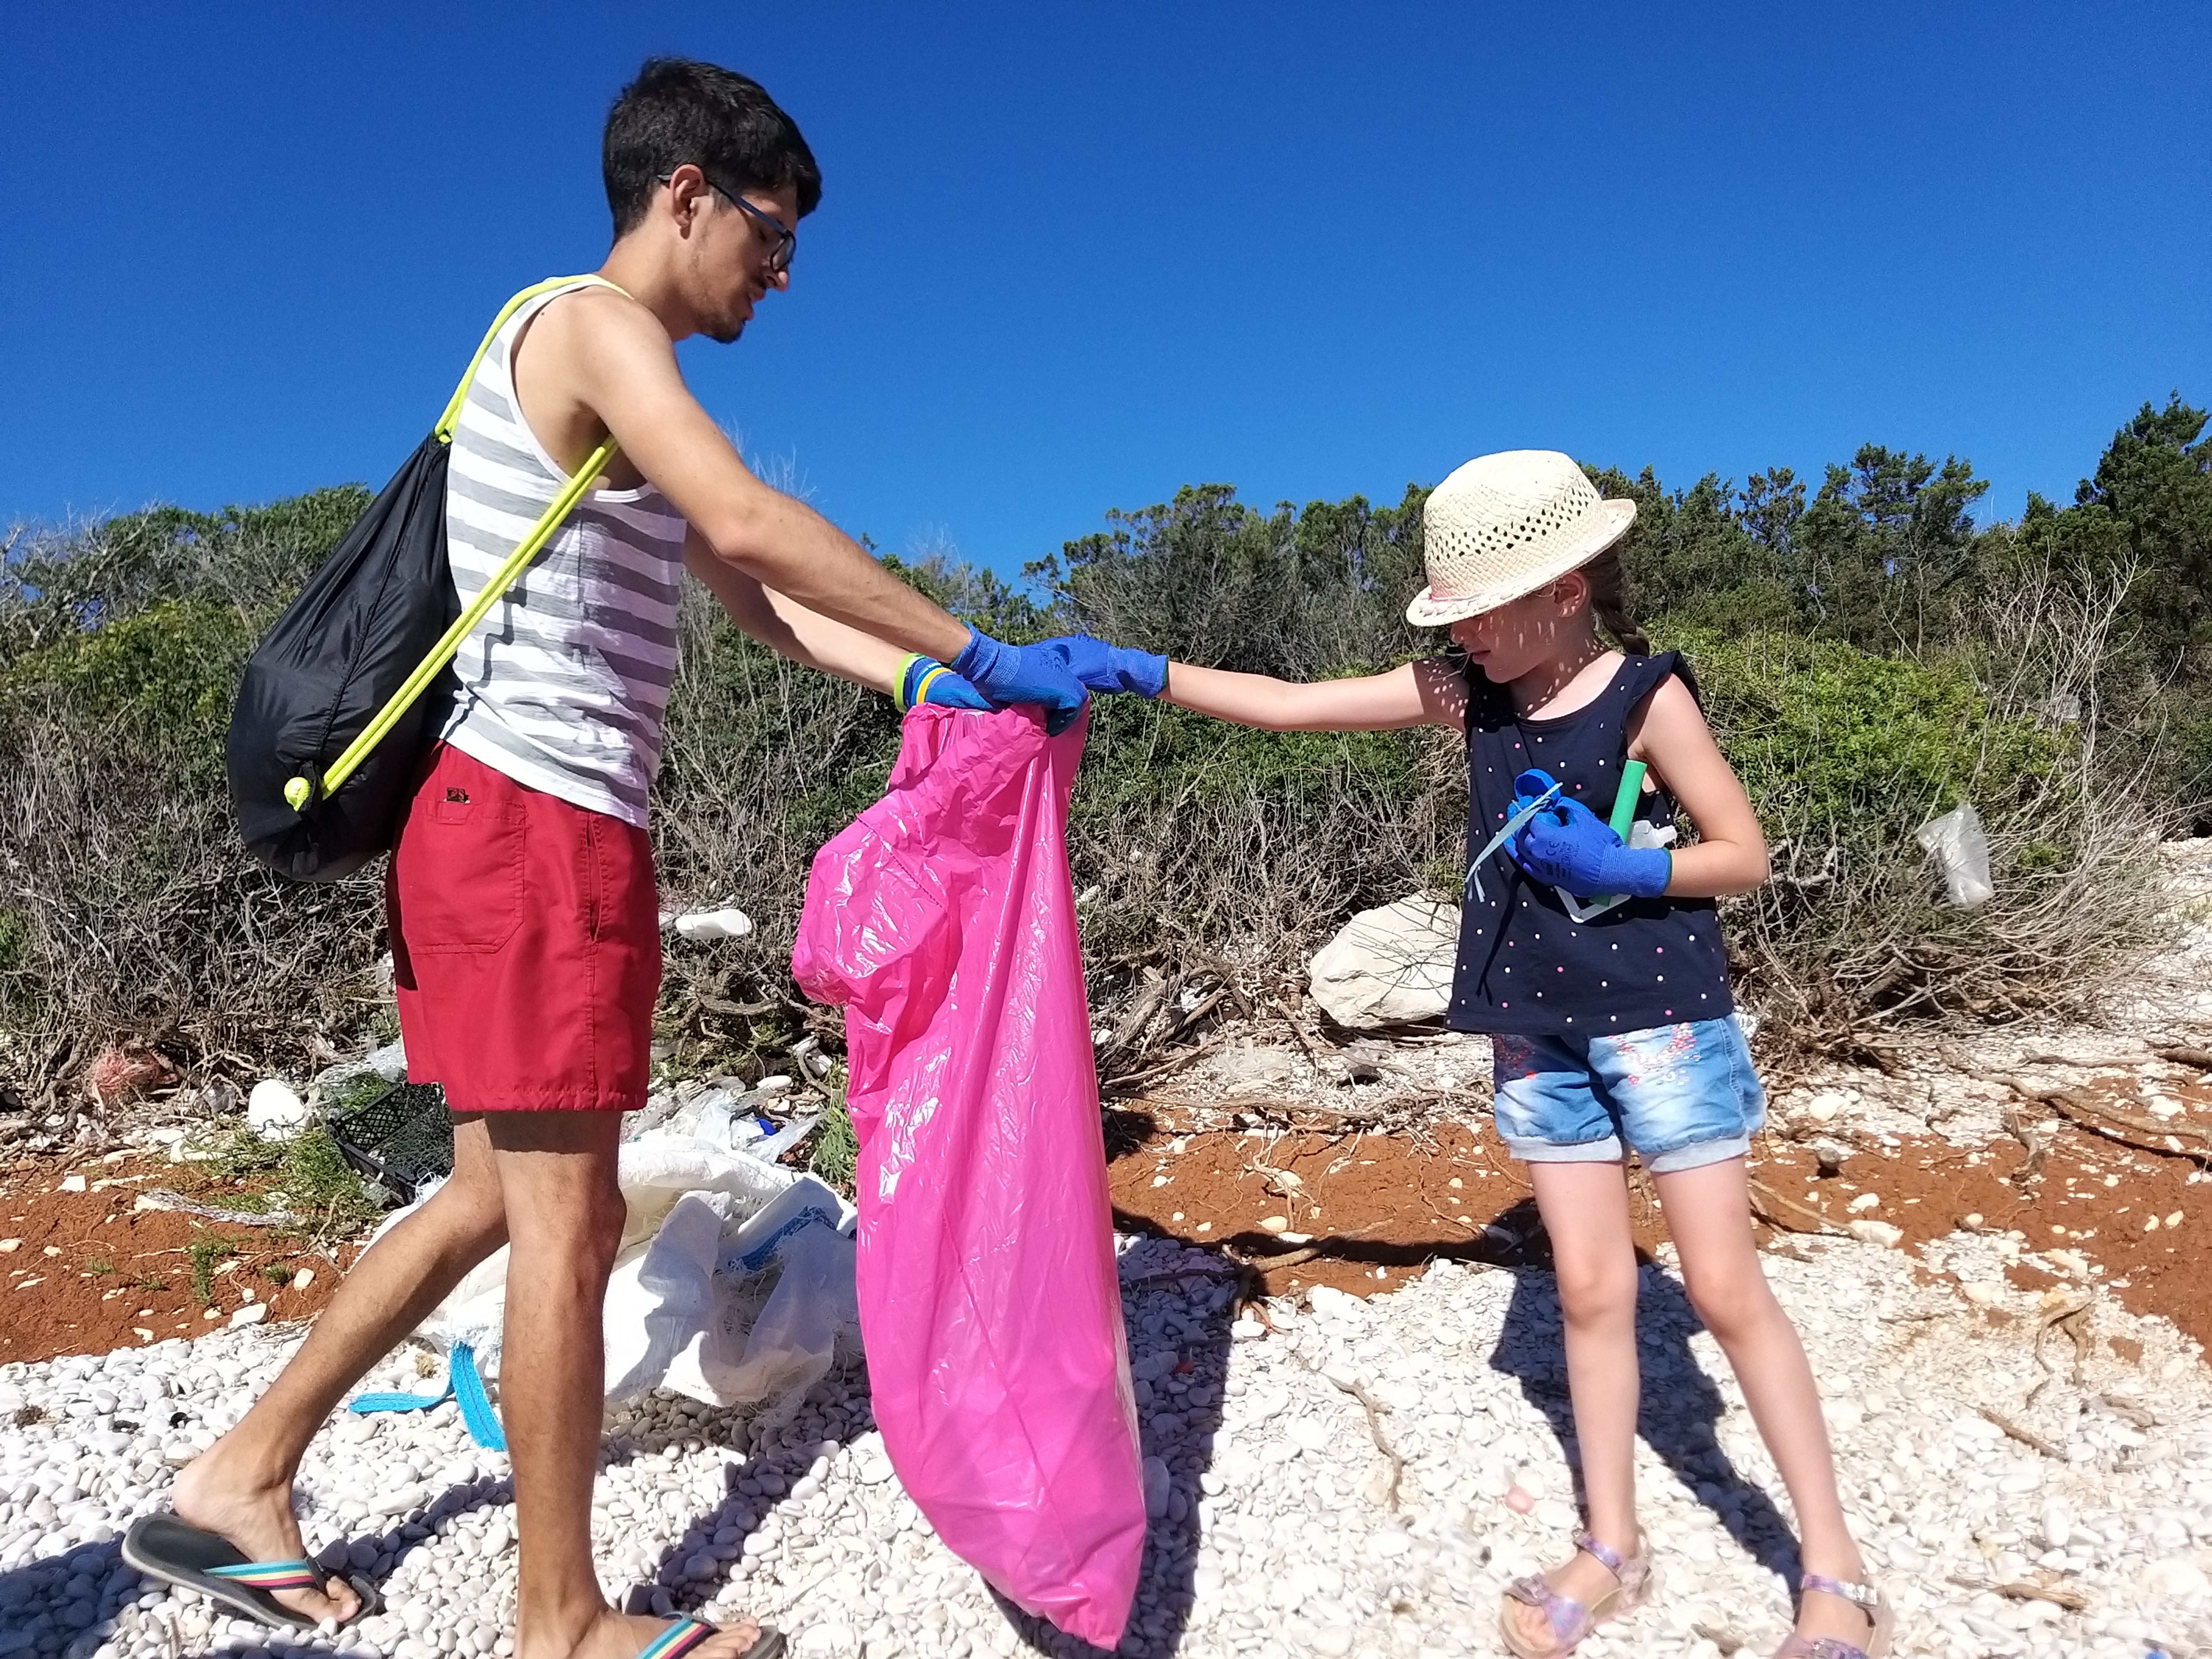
(2026, 1436)
(2038, 1148)
(2134, 1410)
(1185, 1022)
(1326, 1067)
(1779, 1211)
(1151, 994)
(1375, 1408)
(2069, 1319)
(1304, 1253)
(1174, 1062)
(2137, 1130)
(2072, 1601)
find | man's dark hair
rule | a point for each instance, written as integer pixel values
(721, 122)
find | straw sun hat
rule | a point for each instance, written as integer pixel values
(1506, 525)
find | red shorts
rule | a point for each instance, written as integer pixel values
(525, 943)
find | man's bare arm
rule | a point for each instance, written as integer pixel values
(616, 358)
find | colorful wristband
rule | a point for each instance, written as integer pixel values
(915, 675)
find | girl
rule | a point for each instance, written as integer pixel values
(1612, 1027)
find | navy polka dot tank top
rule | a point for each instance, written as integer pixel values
(1525, 965)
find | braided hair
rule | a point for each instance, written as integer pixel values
(1609, 593)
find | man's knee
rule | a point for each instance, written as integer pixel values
(565, 1251)
(470, 1206)
(557, 1176)
(587, 1218)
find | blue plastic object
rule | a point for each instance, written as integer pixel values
(1567, 846)
(1523, 810)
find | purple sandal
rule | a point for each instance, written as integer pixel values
(1867, 1599)
(1570, 1620)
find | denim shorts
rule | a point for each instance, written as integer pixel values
(1682, 1095)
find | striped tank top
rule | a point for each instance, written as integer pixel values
(564, 681)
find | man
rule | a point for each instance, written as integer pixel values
(524, 916)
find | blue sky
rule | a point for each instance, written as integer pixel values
(1070, 256)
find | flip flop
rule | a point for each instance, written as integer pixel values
(162, 1547)
(685, 1634)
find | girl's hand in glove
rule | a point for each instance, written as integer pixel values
(1568, 846)
(1104, 667)
(1006, 674)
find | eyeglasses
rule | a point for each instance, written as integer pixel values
(787, 240)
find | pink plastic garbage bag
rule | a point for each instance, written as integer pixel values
(943, 920)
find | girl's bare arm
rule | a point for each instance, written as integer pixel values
(788, 626)
(1671, 736)
(1426, 693)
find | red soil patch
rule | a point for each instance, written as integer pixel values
(1378, 1209)
(2094, 1197)
(91, 1274)
(1364, 1212)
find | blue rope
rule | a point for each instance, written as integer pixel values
(465, 1383)
(476, 1408)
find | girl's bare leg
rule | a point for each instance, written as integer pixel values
(1585, 1211)
(1709, 1217)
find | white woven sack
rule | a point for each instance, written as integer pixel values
(732, 1282)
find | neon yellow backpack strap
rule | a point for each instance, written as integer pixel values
(300, 791)
(444, 430)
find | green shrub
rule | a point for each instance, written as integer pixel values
(206, 1252)
(1149, 756)
(253, 558)
(835, 1150)
(1834, 744)
(1844, 754)
(167, 674)
(130, 908)
(305, 1173)
(320, 1183)
(1198, 840)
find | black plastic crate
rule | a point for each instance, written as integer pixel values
(400, 1139)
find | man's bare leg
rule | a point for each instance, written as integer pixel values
(564, 1212)
(241, 1488)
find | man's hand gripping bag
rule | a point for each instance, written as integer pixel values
(943, 920)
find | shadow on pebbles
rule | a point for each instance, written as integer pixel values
(1328, 1477)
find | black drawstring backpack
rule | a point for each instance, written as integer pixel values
(329, 722)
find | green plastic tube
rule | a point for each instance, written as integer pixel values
(1623, 803)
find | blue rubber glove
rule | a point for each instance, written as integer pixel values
(1104, 667)
(924, 680)
(1530, 787)
(1568, 847)
(1022, 673)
